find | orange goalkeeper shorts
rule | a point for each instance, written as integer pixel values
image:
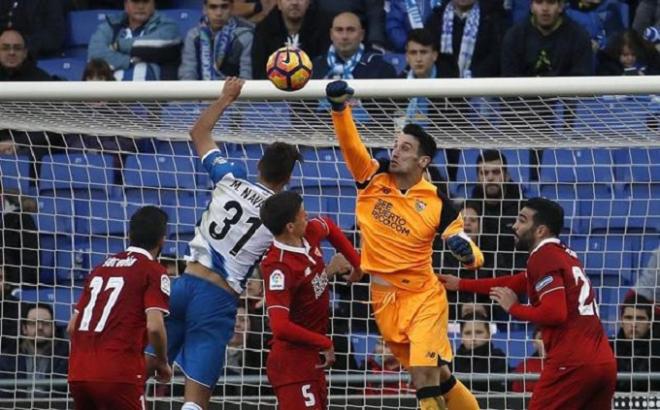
(414, 324)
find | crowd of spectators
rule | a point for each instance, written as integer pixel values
(346, 39)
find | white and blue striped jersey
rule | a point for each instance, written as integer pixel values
(229, 237)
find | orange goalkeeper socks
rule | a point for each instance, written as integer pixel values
(458, 397)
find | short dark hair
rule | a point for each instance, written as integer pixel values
(276, 165)
(279, 210)
(638, 301)
(473, 204)
(490, 155)
(548, 213)
(423, 37)
(97, 67)
(427, 145)
(27, 307)
(147, 227)
(474, 317)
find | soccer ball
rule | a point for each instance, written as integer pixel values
(289, 69)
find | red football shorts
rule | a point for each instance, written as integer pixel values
(586, 387)
(303, 395)
(107, 396)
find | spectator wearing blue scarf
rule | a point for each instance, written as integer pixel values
(347, 57)
(404, 16)
(220, 46)
(470, 39)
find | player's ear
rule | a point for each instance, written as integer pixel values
(424, 161)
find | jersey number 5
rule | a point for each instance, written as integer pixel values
(115, 284)
(236, 210)
(585, 290)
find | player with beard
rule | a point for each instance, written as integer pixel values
(580, 369)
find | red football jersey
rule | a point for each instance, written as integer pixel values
(110, 332)
(581, 338)
(295, 280)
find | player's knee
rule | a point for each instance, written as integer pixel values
(189, 405)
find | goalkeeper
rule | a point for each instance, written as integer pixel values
(399, 213)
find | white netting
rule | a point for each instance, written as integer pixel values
(74, 172)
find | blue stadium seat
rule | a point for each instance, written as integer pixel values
(62, 299)
(520, 10)
(80, 27)
(515, 344)
(613, 113)
(184, 18)
(67, 68)
(265, 117)
(93, 250)
(647, 245)
(609, 254)
(184, 217)
(77, 173)
(558, 165)
(341, 204)
(155, 179)
(637, 165)
(71, 265)
(101, 215)
(398, 61)
(362, 345)
(565, 195)
(640, 204)
(594, 165)
(15, 173)
(55, 215)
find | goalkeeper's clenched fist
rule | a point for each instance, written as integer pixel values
(337, 93)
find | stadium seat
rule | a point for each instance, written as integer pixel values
(101, 215)
(520, 10)
(515, 344)
(61, 298)
(67, 68)
(558, 165)
(184, 18)
(396, 60)
(15, 173)
(55, 215)
(640, 204)
(609, 254)
(565, 195)
(636, 165)
(628, 113)
(265, 118)
(81, 26)
(77, 173)
(362, 345)
(644, 246)
(49, 246)
(155, 179)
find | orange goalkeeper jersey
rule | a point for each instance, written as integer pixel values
(397, 229)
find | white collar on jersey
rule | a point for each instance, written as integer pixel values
(295, 249)
(140, 250)
(545, 242)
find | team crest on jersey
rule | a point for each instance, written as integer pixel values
(165, 284)
(276, 280)
(543, 282)
(419, 205)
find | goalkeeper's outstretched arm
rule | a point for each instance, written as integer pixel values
(358, 160)
(201, 132)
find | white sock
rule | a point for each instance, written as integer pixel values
(189, 405)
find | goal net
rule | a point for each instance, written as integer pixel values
(77, 159)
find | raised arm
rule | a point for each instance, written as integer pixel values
(357, 158)
(201, 132)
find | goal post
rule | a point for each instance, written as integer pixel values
(79, 158)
